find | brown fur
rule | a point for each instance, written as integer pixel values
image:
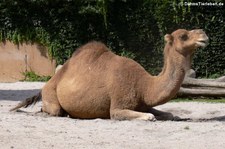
(96, 83)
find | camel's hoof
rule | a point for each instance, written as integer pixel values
(147, 117)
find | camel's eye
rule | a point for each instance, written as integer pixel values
(184, 37)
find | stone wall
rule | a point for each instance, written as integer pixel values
(17, 59)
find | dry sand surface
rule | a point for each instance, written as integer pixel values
(27, 130)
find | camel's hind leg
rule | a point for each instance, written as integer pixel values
(50, 103)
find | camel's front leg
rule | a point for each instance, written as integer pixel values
(126, 114)
(161, 115)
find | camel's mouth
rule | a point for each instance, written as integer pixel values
(202, 43)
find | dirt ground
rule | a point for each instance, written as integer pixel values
(204, 127)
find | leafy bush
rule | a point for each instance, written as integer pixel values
(32, 76)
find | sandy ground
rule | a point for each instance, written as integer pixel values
(26, 130)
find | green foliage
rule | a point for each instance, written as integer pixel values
(32, 76)
(129, 27)
(127, 54)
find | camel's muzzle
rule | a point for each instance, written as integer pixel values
(203, 39)
(202, 43)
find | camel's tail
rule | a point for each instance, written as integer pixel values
(27, 102)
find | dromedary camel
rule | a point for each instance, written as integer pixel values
(96, 83)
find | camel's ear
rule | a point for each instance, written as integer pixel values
(168, 38)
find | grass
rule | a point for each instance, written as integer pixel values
(31, 77)
(207, 100)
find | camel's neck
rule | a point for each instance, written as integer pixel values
(167, 83)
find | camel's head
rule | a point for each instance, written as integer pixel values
(185, 42)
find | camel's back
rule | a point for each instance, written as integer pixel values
(94, 65)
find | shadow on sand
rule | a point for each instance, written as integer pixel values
(219, 118)
(17, 95)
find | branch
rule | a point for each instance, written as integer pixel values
(206, 92)
(204, 83)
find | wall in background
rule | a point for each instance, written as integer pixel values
(15, 60)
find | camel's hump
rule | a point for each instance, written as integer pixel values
(94, 47)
